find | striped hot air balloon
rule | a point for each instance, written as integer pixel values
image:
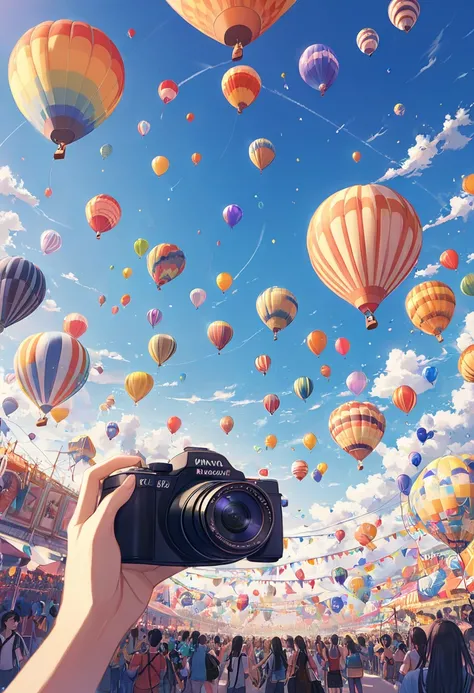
(138, 385)
(168, 91)
(263, 363)
(466, 364)
(467, 285)
(50, 368)
(22, 290)
(241, 86)
(143, 127)
(367, 41)
(220, 333)
(75, 324)
(319, 67)
(404, 14)
(161, 348)
(165, 262)
(299, 469)
(271, 403)
(357, 427)
(102, 213)
(363, 241)
(430, 307)
(261, 153)
(50, 242)
(404, 397)
(277, 308)
(303, 387)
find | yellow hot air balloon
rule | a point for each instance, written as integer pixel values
(357, 427)
(127, 272)
(466, 364)
(277, 308)
(161, 347)
(261, 153)
(138, 385)
(271, 441)
(140, 247)
(60, 413)
(309, 441)
(241, 86)
(322, 467)
(430, 307)
(160, 165)
(224, 281)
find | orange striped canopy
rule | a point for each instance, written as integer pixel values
(220, 333)
(363, 241)
(466, 364)
(404, 397)
(241, 86)
(430, 307)
(357, 427)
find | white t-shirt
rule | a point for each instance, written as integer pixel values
(7, 655)
(236, 677)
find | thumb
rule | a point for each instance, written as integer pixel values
(106, 511)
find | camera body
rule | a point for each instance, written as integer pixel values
(197, 511)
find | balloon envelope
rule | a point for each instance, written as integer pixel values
(356, 382)
(404, 484)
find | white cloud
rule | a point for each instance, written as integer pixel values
(380, 133)
(429, 64)
(9, 223)
(461, 206)
(260, 423)
(106, 354)
(218, 396)
(172, 384)
(106, 377)
(422, 153)
(222, 395)
(50, 306)
(345, 393)
(429, 271)
(470, 258)
(230, 387)
(466, 338)
(72, 277)
(314, 407)
(9, 185)
(401, 368)
(244, 402)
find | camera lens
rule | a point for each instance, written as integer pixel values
(238, 515)
(235, 514)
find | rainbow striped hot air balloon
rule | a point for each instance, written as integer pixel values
(357, 427)
(277, 308)
(241, 86)
(66, 78)
(303, 387)
(367, 41)
(319, 67)
(261, 153)
(165, 262)
(22, 290)
(50, 368)
(404, 14)
(103, 213)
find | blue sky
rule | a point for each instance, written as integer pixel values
(280, 202)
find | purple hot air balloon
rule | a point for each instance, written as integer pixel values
(197, 296)
(50, 242)
(356, 382)
(319, 67)
(232, 215)
(154, 316)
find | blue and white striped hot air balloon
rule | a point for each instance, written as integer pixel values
(22, 290)
(319, 67)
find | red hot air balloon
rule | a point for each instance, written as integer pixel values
(168, 91)
(263, 471)
(242, 602)
(449, 259)
(220, 333)
(131, 33)
(103, 213)
(342, 346)
(404, 397)
(173, 424)
(263, 363)
(340, 535)
(48, 192)
(299, 469)
(271, 403)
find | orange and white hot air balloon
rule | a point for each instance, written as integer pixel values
(357, 427)
(367, 41)
(196, 158)
(261, 153)
(75, 324)
(103, 214)
(404, 13)
(227, 424)
(363, 241)
(299, 469)
(241, 86)
(449, 259)
(404, 397)
(220, 333)
(316, 341)
(263, 363)
(271, 403)
(365, 534)
(466, 364)
(430, 307)
(168, 91)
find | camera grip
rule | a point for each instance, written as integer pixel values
(135, 527)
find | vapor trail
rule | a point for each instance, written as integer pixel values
(206, 69)
(12, 133)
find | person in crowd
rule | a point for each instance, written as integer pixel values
(446, 667)
(302, 668)
(13, 652)
(413, 656)
(321, 653)
(399, 652)
(184, 650)
(217, 645)
(169, 679)
(364, 651)
(277, 666)
(197, 664)
(371, 656)
(149, 666)
(354, 666)
(469, 640)
(336, 663)
(290, 651)
(237, 666)
(386, 659)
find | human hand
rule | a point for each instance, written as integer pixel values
(96, 583)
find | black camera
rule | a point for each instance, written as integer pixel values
(197, 511)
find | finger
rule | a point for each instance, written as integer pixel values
(107, 509)
(91, 484)
(154, 574)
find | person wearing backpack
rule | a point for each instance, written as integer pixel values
(237, 667)
(203, 667)
(336, 662)
(354, 667)
(149, 666)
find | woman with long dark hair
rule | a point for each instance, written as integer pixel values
(446, 666)
(336, 662)
(277, 667)
(354, 666)
(302, 668)
(237, 667)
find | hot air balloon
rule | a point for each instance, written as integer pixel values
(325, 371)
(261, 153)
(449, 259)
(75, 324)
(381, 244)
(309, 441)
(224, 281)
(466, 364)
(322, 468)
(125, 300)
(161, 348)
(67, 370)
(60, 413)
(190, 117)
(154, 316)
(263, 363)
(127, 272)
(227, 424)
(50, 242)
(357, 156)
(303, 387)
(232, 214)
(66, 78)
(404, 397)
(165, 262)
(138, 385)
(430, 373)
(340, 535)
(103, 214)
(143, 127)
(101, 300)
(404, 484)
(173, 424)
(81, 449)
(115, 310)
(9, 405)
(342, 346)
(196, 158)
(356, 382)
(160, 164)
(467, 285)
(339, 575)
(241, 86)
(360, 587)
(48, 192)
(168, 91)
(197, 297)
(404, 13)
(365, 534)
(357, 427)
(106, 150)
(399, 109)
(112, 430)
(271, 403)
(220, 333)
(367, 41)
(182, 377)
(242, 602)
(430, 307)
(131, 33)
(263, 472)
(299, 469)
(319, 67)
(317, 476)
(316, 342)
(277, 308)
(468, 184)
(271, 442)
(442, 500)
(22, 290)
